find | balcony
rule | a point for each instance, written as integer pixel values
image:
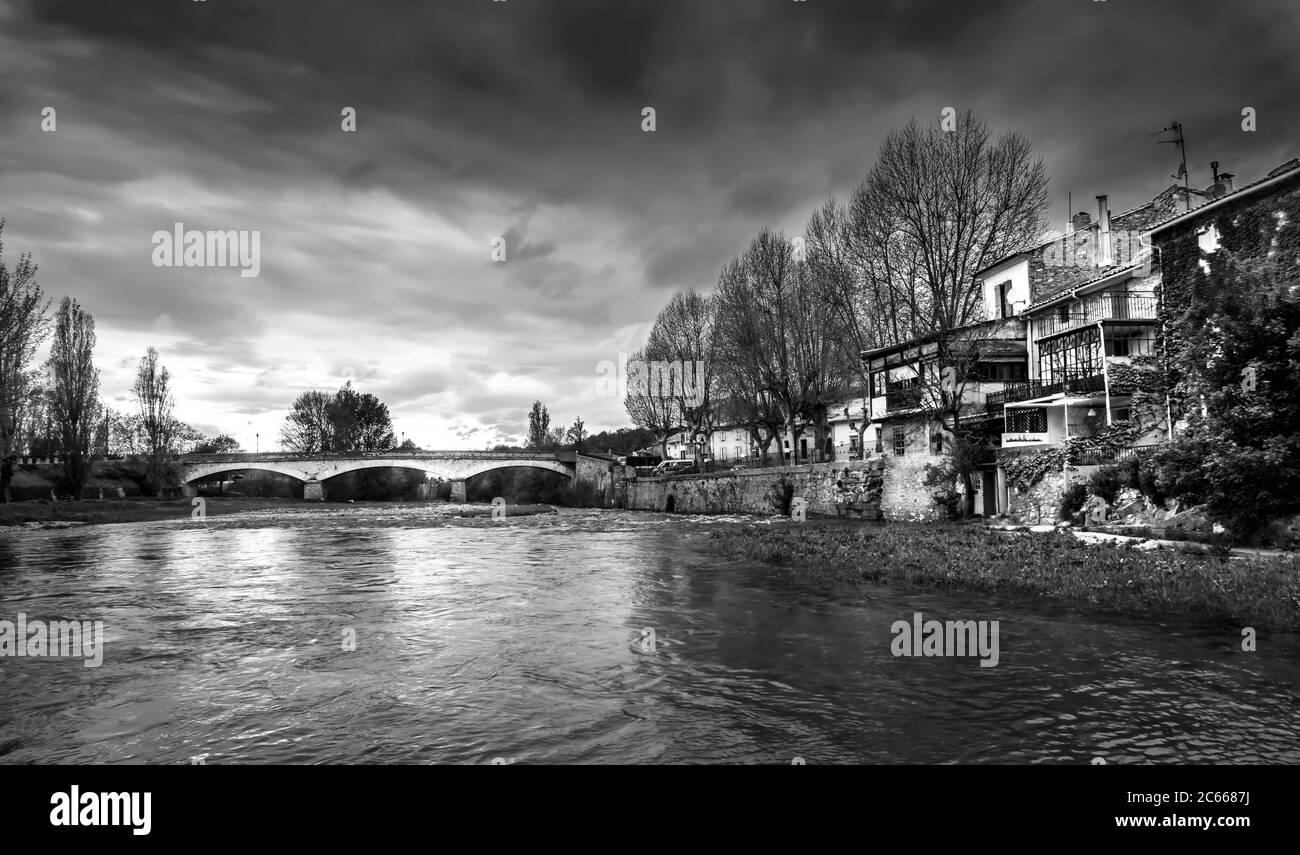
(1092, 309)
(1024, 390)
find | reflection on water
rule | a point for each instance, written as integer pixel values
(521, 640)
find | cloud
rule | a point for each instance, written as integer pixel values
(523, 120)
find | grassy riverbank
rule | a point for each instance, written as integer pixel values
(1252, 592)
(92, 512)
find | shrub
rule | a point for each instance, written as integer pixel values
(1180, 471)
(1147, 482)
(1130, 473)
(1072, 499)
(940, 479)
(1105, 482)
(1249, 486)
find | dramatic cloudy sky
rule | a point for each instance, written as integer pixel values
(522, 119)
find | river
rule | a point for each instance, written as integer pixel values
(521, 641)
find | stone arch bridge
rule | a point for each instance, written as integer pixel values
(314, 469)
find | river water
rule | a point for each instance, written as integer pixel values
(521, 641)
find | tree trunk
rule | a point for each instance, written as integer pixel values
(967, 496)
(6, 475)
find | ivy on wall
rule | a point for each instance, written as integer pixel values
(1024, 469)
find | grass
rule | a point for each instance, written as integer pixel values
(1259, 592)
(93, 512)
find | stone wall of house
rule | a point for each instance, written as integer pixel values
(1041, 503)
(746, 491)
(904, 496)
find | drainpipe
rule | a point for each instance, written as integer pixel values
(1105, 372)
(1065, 410)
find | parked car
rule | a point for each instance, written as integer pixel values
(675, 467)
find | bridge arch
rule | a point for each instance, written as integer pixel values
(322, 469)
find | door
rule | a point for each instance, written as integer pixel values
(989, 489)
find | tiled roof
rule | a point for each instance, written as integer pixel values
(1111, 271)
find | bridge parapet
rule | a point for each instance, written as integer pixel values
(454, 466)
(282, 456)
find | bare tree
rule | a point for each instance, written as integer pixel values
(24, 324)
(845, 287)
(309, 427)
(682, 338)
(577, 435)
(157, 427)
(937, 207)
(74, 391)
(779, 337)
(539, 426)
(647, 407)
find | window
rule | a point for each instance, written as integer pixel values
(1004, 300)
(999, 372)
(936, 442)
(738, 453)
(1072, 356)
(900, 441)
(1120, 415)
(1026, 419)
(880, 440)
(1063, 313)
(724, 452)
(1117, 347)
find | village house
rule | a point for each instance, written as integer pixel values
(1089, 302)
(1245, 223)
(907, 416)
(731, 444)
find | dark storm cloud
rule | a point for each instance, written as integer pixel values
(522, 120)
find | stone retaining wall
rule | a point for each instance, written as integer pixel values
(746, 491)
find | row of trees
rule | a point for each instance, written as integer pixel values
(542, 437)
(778, 342)
(54, 410)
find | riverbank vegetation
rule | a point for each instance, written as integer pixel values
(1257, 592)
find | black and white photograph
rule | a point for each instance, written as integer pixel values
(650, 382)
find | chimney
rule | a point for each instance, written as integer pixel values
(1105, 257)
(1081, 221)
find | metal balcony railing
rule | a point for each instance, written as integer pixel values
(1094, 308)
(1023, 390)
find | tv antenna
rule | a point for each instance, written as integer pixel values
(1176, 128)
